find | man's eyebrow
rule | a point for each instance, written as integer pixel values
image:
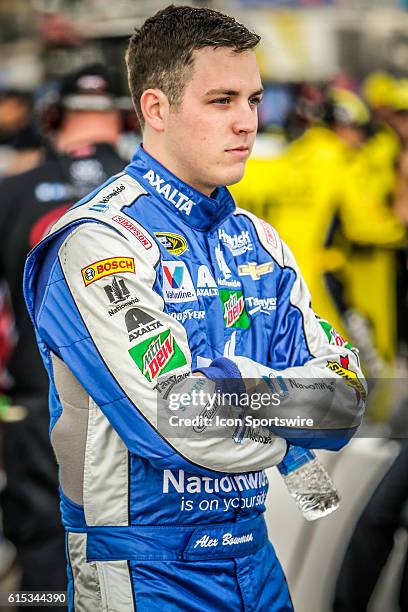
(230, 92)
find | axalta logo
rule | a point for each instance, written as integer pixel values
(171, 194)
(263, 305)
(177, 283)
(174, 243)
(235, 314)
(105, 267)
(237, 243)
(158, 355)
(131, 227)
(206, 285)
(112, 194)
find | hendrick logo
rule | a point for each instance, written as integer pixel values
(174, 243)
(237, 243)
(170, 193)
(139, 323)
(158, 355)
(235, 314)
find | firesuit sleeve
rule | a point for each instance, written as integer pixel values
(84, 314)
(324, 382)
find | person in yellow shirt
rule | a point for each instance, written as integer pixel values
(321, 197)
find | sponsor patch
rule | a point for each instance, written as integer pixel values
(182, 202)
(350, 377)
(235, 314)
(270, 234)
(263, 305)
(105, 267)
(206, 285)
(177, 283)
(158, 355)
(236, 243)
(138, 323)
(133, 230)
(186, 315)
(174, 243)
(254, 270)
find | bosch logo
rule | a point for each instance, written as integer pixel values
(89, 274)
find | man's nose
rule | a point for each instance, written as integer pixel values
(246, 119)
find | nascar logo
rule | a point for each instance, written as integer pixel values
(105, 267)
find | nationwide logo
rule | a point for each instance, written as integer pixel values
(206, 285)
(139, 323)
(171, 194)
(177, 283)
(118, 295)
(133, 230)
(254, 270)
(237, 243)
(350, 377)
(116, 191)
(226, 280)
(105, 267)
(235, 314)
(263, 305)
(174, 243)
(158, 355)
(117, 291)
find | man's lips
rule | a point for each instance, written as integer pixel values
(239, 151)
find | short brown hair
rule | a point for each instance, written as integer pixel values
(160, 52)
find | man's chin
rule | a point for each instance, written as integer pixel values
(236, 176)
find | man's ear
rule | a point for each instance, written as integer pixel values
(155, 108)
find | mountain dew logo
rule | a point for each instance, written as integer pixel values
(332, 336)
(235, 314)
(158, 355)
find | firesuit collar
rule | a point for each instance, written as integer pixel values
(196, 209)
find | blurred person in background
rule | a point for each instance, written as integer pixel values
(20, 140)
(80, 154)
(319, 194)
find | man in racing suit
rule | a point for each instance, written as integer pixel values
(152, 277)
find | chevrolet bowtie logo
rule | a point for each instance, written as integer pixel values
(254, 270)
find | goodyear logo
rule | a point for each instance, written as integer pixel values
(174, 243)
(105, 267)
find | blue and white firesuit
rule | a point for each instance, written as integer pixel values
(137, 285)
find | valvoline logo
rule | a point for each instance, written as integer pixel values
(175, 276)
(177, 283)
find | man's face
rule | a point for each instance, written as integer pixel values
(210, 135)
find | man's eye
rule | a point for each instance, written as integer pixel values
(222, 101)
(255, 101)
